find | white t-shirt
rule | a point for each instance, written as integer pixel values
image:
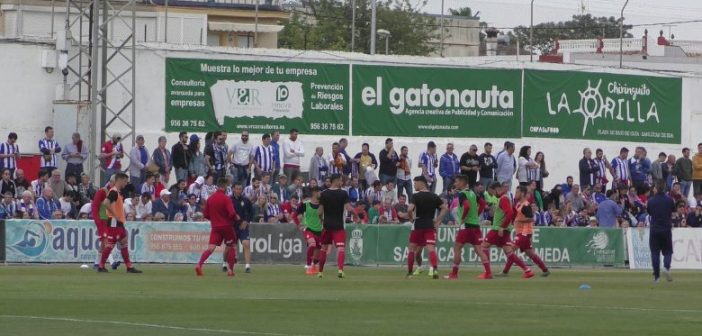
(522, 169)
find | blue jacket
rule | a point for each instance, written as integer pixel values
(639, 169)
(46, 207)
(276, 190)
(169, 211)
(276, 154)
(449, 165)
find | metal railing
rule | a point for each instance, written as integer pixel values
(629, 45)
(263, 4)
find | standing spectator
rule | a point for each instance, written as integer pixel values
(587, 168)
(449, 166)
(526, 167)
(657, 168)
(319, 168)
(683, 172)
(428, 162)
(362, 163)
(470, 165)
(162, 158)
(57, 184)
(197, 166)
(180, 156)
(293, 153)
(138, 159)
(404, 173)
(488, 165)
(264, 160)
(47, 205)
(275, 149)
(543, 172)
(240, 157)
(215, 155)
(697, 171)
(506, 165)
(640, 167)
(337, 160)
(75, 154)
(348, 167)
(603, 167)
(609, 210)
(111, 155)
(7, 185)
(49, 147)
(668, 168)
(164, 205)
(9, 152)
(388, 162)
(620, 169)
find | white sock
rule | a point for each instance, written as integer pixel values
(110, 259)
(224, 264)
(97, 258)
(248, 266)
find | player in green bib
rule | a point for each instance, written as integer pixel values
(499, 234)
(467, 213)
(311, 226)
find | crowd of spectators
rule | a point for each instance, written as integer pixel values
(267, 182)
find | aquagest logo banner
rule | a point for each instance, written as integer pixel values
(232, 95)
(420, 101)
(599, 106)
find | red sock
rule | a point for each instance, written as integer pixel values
(486, 265)
(454, 270)
(310, 254)
(340, 257)
(537, 260)
(418, 259)
(204, 257)
(517, 260)
(231, 257)
(322, 259)
(105, 254)
(410, 262)
(433, 259)
(508, 263)
(125, 256)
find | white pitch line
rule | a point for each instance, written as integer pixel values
(148, 325)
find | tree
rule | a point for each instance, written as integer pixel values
(580, 27)
(464, 11)
(326, 25)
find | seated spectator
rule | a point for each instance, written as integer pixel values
(8, 206)
(289, 210)
(71, 183)
(209, 188)
(598, 196)
(296, 188)
(676, 192)
(149, 186)
(7, 184)
(555, 198)
(569, 215)
(144, 207)
(40, 183)
(273, 214)
(281, 189)
(57, 214)
(192, 207)
(375, 193)
(196, 187)
(388, 214)
(609, 210)
(86, 189)
(679, 218)
(159, 217)
(164, 205)
(21, 182)
(592, 223)
(355, 191)
(402, 209)
(252, 191)
(47, 205)
(85, 211)
(259, 210)
(389, 191)
(541, 218)
(68, 206)
(198, 217)
(567, 187)
(694, 218)
(27, 208)
(57, 184)
(374, 213)
(360, 212)
(311, 183)
(556, 218)
(576, 199)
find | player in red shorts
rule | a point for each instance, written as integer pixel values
(114, 206)
(332, 203)
(219, 210)
(499, 235)
(468, 213)
(100, 218)
(311, 226)
(423, 206)
(524, 227)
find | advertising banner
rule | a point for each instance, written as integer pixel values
(232, 95)
(687, 248)
(599, 106)
(443, 102)
(160, 242)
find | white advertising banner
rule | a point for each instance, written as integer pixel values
(687, 248)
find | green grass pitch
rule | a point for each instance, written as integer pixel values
(281, 300)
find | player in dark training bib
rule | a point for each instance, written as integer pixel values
(332, 203)
(423, 207)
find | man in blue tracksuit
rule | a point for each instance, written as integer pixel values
(661, 208)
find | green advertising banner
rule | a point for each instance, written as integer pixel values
(387, 244)
(449, 102)
(231, 95)
(599, 106)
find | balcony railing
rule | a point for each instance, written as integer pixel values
(630, 45)
(239, 4)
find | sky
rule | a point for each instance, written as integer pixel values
(512, 13)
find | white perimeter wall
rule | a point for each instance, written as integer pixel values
(27, 93)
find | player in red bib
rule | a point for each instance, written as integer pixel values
(219, 210)
(423, 206)
(332, 203)
(499, 234)
(524, 227)
(114, 206)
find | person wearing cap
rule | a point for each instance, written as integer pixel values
(164, 205)
(138, 159)
(111, 156)
(75, 154)
(181, 157)
(196, 187)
